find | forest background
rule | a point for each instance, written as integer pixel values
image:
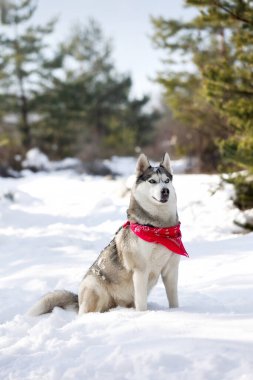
(69, 98)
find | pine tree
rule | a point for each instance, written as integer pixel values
(228, 80)
(188, 46)
(89, 110)
(22, 63)
(219, 41)
(82, 107)
(229, 86)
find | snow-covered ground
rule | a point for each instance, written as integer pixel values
(52, 227)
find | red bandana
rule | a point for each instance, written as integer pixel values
(170, 237)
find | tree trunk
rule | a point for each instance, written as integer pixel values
(24, 125)
(23, 106)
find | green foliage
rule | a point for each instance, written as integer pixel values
(71, 101)
(215, 95)
(243, 190)
(22, 63)
(228, 82)
(228, 85)
(88, 110)
(238, 149)
(187, 43)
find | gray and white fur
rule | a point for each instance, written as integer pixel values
(129, 267)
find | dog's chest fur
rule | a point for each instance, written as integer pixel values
(140, 255)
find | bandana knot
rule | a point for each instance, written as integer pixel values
(169, 237)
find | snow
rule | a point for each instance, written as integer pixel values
(38, 160)
(121, 165)
(245, 217)
(52, 227)
(126, 165)
(35, 158)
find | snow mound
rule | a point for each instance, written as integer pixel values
(38, 161)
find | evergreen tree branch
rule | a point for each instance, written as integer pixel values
(231, 13)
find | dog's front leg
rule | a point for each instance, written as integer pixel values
(170, 279)
(140, 280)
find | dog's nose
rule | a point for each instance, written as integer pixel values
(165, 191)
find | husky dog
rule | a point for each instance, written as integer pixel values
(129, 267)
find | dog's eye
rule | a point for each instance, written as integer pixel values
(167, 180)
(152, 181)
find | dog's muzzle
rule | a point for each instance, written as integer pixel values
(164, 195)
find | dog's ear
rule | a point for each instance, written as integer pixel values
(166, 163)
(142, 164)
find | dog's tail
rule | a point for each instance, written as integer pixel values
(59, 298)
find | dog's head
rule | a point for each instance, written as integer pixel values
(154, 183)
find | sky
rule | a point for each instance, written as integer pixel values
(127, 23)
